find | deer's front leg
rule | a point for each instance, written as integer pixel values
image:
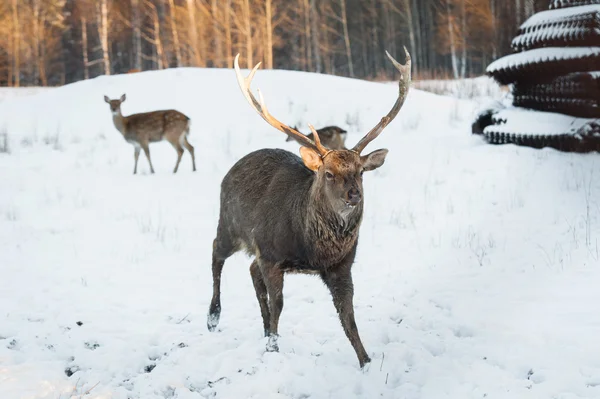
(340, 285)
(136, 156)
(147, 152)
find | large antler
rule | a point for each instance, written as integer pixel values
(262, 110)
(403, 84)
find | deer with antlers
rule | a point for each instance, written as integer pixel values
(297, 215)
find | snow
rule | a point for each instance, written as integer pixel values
(8, 93)
(476, 276)
(526, 121)
(553, 16)
(542, 55)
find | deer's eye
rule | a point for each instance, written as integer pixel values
(329, 175)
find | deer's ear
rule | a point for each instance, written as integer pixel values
(106, 100)
(374, 160)
(311, 159)
(123, 97)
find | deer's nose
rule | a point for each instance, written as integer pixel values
(354, 197)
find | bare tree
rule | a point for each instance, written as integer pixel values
(344, 21)
(17, 44)
(137, 34)
(174, 33)
(102, 16)
(269, 34)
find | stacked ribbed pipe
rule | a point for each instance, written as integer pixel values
(554, 77)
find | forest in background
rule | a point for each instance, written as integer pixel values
(54, 42)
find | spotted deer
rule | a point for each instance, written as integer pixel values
(332, 137)
(149, 127)
(297, 215)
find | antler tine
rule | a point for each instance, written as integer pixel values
(260, 107)
(317, 138)
(403, 85)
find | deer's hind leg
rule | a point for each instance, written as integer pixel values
(223, 248)
(273, 278)
(190, 148)
(261, 294)
(179, 150)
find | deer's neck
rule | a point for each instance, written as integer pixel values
(120, 122)
(330, 235)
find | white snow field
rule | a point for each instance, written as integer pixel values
(477, 275)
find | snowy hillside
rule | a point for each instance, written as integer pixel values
(477, 273)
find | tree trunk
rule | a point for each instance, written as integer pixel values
(193, 32)
(248, 32)
(315, 35)
(218, 56)
(494, 17)
(103, 33)
(463, 65)
(84, 48)
(16, 45)
(375, 37)
(160, 58)
(269, 50)
(174, 33)
(307, 39)
(452, 41)
(347, 38)
(137, 35)
(411, 33)
(228, 40)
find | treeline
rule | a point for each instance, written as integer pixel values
(53, 42)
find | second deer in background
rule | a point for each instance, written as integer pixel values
(149, 127)
(332, 137)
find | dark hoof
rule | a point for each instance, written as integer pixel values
(272, 345)
(364, 364)
(212, 321)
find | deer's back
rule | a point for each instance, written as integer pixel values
(156, 125)
(263, 203)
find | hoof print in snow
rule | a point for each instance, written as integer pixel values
(92, 345)
(13, 344)
(69, 371)
(215, 382)
(169, 392)
(252, 371)
(79, 323)
(182, 345)
(463, 332)
(529, 374)
(149, 368)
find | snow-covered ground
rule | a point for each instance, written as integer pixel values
(477, 274)
(8, 93)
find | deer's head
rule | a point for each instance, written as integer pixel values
(115, 105)
(338, 173)
(331, 136)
